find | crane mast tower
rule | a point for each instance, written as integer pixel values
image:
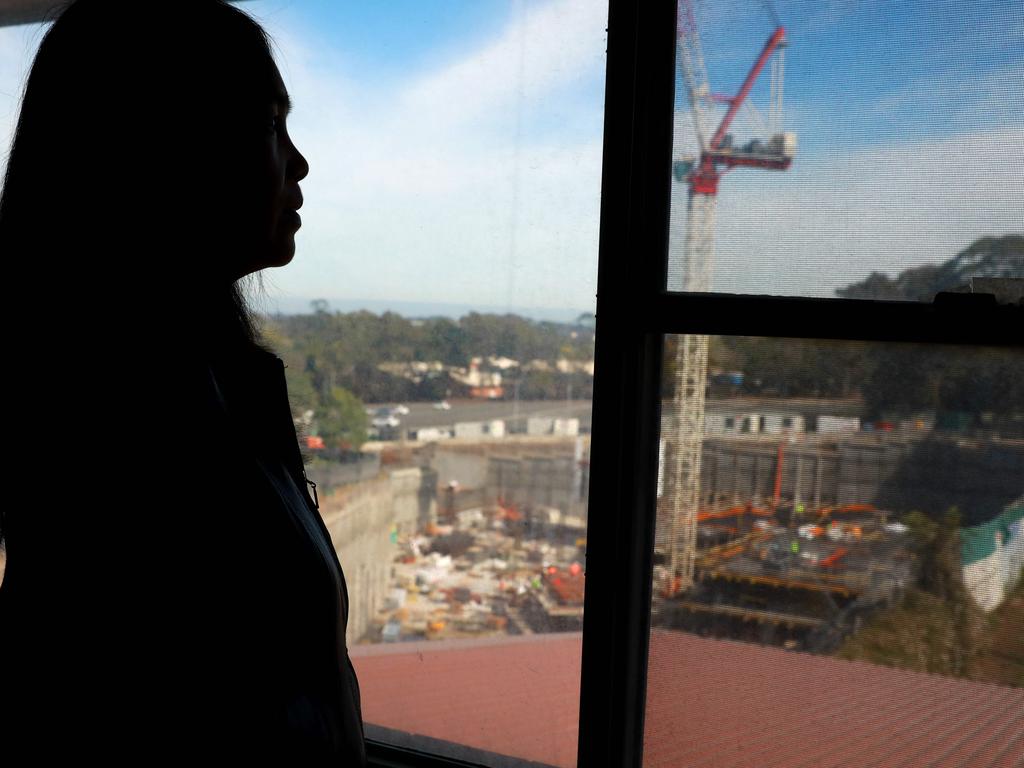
(701, 173)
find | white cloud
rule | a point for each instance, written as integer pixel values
(545, 48)
(478, 182)
(961, 97)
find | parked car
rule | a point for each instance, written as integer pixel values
(383, 417)
(400, 410)
(444, 405)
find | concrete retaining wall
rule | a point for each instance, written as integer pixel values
(328, 475)
(363, 520)
(978, 477)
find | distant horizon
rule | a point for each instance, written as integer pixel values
(414, 310)
(273, 302)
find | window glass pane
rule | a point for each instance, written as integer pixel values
(873, 156)
(839, 553)
(437, 324)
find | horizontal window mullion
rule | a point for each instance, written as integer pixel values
(955, 319)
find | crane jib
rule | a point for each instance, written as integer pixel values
(776, 39)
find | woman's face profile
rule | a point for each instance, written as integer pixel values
(267, 186)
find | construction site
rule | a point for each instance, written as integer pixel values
(797, 537)
(465, 538)
(782, 571)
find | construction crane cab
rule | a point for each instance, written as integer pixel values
(780, 145)
(682, 168)
(784, 144)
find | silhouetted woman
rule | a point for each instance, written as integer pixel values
(170, 591)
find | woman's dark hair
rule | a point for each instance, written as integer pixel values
(128, 154)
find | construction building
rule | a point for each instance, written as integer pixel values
(796, 543)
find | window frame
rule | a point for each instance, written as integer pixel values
(634, 314)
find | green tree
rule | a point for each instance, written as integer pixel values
(444, 340)
(302, 395)
(341, 420)
(935, 627)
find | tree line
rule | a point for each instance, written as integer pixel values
(332, 368)
(333, 358)
(893, 380)
(332, 361)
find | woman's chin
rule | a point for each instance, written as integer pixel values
(285, 255)
(278, 258)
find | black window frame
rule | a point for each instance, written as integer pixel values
(634, 313)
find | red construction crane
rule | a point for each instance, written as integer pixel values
(692, 271)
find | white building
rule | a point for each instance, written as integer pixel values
(493, 428)
(720, 420)
(543, 425)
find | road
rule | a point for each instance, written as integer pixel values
(425, 415)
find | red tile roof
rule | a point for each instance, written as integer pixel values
(721, 703)
(517, 696)
(711, 703)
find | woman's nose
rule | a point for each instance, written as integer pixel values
(298, 166)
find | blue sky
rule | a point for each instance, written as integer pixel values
(455, 145)
(871, 72)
